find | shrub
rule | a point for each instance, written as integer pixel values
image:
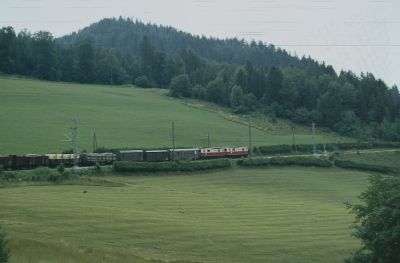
(308, 148)
(275, 149)
(4, 252)
(365, 167)
(97, 168)
(171, 166)
(144, 82)
(60, 168)
(377, 221)
(286, 161)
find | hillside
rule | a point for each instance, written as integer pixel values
(39, 116)
(244, 77)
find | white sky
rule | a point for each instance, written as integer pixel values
(361, 35)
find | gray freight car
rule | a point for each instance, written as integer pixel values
(93, 158)
(184, 154)
(5, 162)
(130, 155)
(156, 156)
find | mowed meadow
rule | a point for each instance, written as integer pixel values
(36, 118)
(238, 215)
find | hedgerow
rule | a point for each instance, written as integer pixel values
(126, 166)
(308, 148)
(365, 167)
(286, 161)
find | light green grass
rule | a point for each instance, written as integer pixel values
(239, 215)
(35, 116)
(389, 159)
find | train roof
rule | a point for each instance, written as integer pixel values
(181, 150)
(130, 151)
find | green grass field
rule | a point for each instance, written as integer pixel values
(36, 116)
(238, 215)
(389, 159)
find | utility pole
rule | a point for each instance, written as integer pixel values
(313, 140)
(111, 76)
(173, 139)
(293, 141)
(208, 140)
(74, 133)
(324, 145)
(94, 142)
(249, 139)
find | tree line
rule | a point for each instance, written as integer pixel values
(301, 90)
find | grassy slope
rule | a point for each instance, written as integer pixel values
(36, 115)
(253, 215)
(389, 159)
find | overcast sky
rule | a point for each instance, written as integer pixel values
(361, 35)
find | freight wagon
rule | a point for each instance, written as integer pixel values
(156, 156)
(130, 155)
(184, 154)
(57, 159)
(93, 158)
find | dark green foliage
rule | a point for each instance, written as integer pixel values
(41, 174)
(275, 149)
(365, 167)
(85, 60)
(286, 161)
(7, 40)
(4, 252)
(308, 148)
(180, 86)
(97, 169)
(143, 82)
(60, 168)
(171, 166)
(274, 85)
(378, 222)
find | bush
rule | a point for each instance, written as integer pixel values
(4, 252)
(286, 161)
(144, 82)
(377, 221)
(308, 148)
(365, 167)
(60, 168)
(275, 149)
(171, 166)
(97, 169)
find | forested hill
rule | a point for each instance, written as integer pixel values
(244, 77)
(126, 35)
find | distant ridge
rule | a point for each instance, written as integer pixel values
(126, 34)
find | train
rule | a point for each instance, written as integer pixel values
(31, 161)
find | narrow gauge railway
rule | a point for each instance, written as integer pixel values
(31, 161)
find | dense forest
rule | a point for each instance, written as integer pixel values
(233, 73)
